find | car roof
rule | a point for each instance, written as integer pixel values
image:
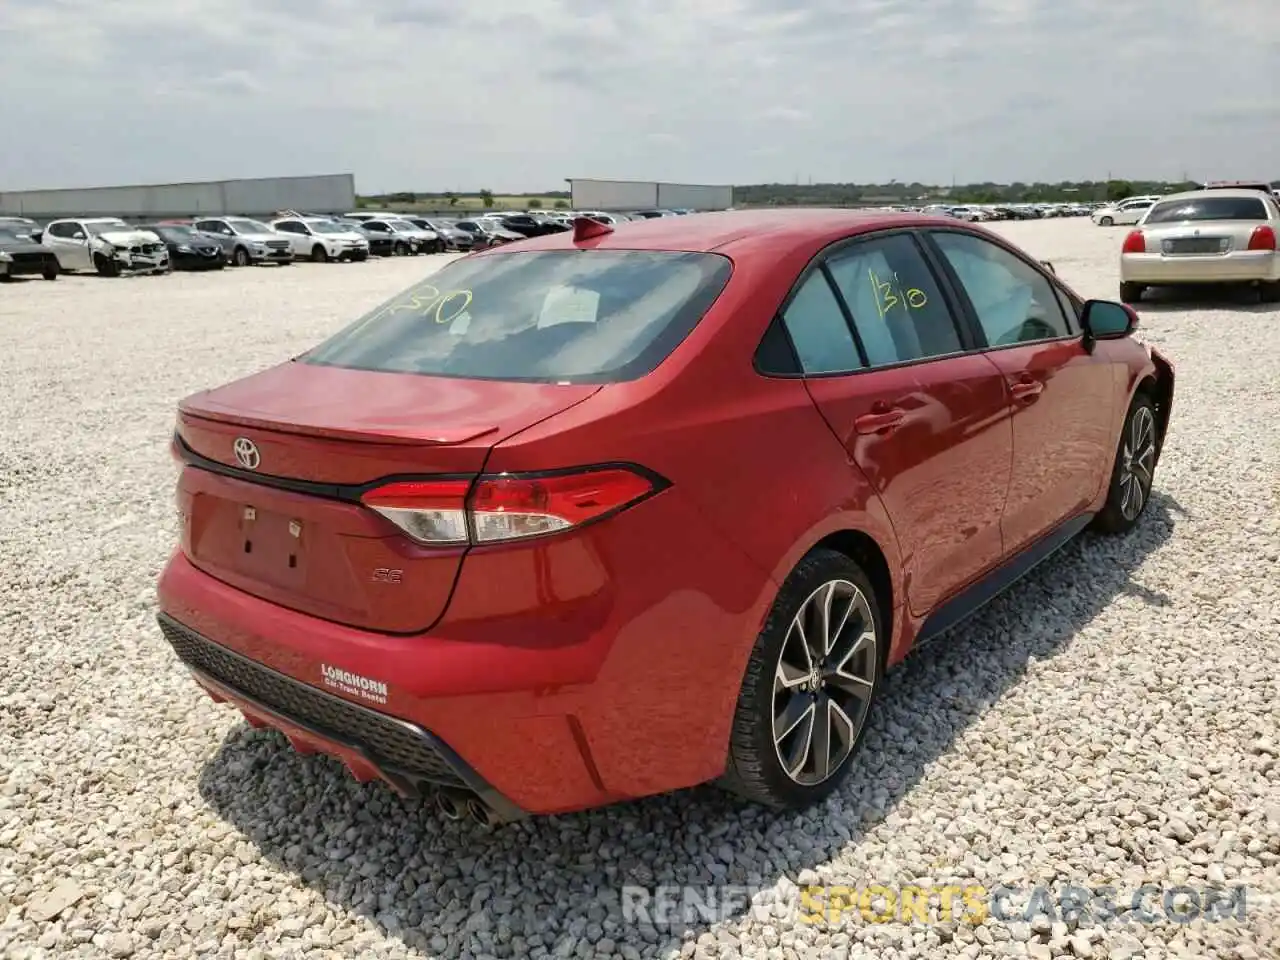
(733, 230)
(1244, 193)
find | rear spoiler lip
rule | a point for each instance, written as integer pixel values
(385, 436)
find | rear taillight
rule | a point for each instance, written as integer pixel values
(503, 507)
(1135, 242)
(1262, 238)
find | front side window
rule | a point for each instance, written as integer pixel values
(898, 311)
(1014, 302)
(585, 316)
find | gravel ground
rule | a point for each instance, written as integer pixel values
(1113, 720)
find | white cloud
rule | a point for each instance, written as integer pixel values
(517, 94)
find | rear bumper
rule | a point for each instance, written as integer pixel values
(600, 667)
(372, 745)
(1239, 267)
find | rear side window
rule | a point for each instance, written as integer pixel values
(1208, 208)
(822, 339)
(897, 308)
(581, 316)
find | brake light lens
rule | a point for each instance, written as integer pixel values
(1135, 242)
(503, 507)
(1262, 238)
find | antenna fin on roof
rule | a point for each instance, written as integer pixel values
(584, 228)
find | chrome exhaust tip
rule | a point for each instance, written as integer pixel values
(449, 806)
(480, 813)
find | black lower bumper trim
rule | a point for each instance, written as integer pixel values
(411, 759)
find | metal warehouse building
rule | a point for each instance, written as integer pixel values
(332, 193)
(622, 195)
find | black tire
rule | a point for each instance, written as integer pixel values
(240, 257)
(1137, 452)
(51, 274)
(755, 769)
(400, 249)
(319, 254)
(105, 266)
(5, 278)
(1269, 292)
(1106, 222)
(1131, 292)
(359, 257)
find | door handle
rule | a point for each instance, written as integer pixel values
(877, 422)
(1027, 389)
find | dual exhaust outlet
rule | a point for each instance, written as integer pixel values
(455, 806)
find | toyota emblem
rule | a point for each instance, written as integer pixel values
(246, 453)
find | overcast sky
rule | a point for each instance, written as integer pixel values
(516, 95)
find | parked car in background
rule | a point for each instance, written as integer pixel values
(106, 245)
(21, 226)
(380, 244)
(528, 225)
(488, 542)
(21, 256)
(251, 241)
(1125, 212)
(1219, 236)
(451, 238)
(407, 238)
(488, 233)
(322, 240)
(188, 248)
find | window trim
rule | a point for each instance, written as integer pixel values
(970, 344)
(971, 312)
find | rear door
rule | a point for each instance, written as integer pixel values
(923, 416)
(1061, 393)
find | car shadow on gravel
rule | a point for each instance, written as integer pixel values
(449, 888)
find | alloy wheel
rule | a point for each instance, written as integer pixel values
(823, 683)
(1137, 464)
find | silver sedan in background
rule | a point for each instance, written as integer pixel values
(1204, 237)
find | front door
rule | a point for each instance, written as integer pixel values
(925, 420)
(1060, 393)
(70, 244)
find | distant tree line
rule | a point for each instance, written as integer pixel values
(867, 194)
(852, 194)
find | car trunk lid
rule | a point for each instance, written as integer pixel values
(282, 520)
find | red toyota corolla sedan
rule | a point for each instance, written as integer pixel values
(614, 512)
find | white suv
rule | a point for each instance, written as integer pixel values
(105, 244)
(322, 240)
(1125, 212)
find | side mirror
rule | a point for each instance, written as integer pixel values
(37, 236)
(1105, 320)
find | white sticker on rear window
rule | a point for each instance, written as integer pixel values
(569, 305)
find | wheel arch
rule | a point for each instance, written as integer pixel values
(1157, 385)
(862, 549)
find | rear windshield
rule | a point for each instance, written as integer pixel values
(582, 316)
(1208, 208)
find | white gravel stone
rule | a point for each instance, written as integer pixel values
(1113, 720)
